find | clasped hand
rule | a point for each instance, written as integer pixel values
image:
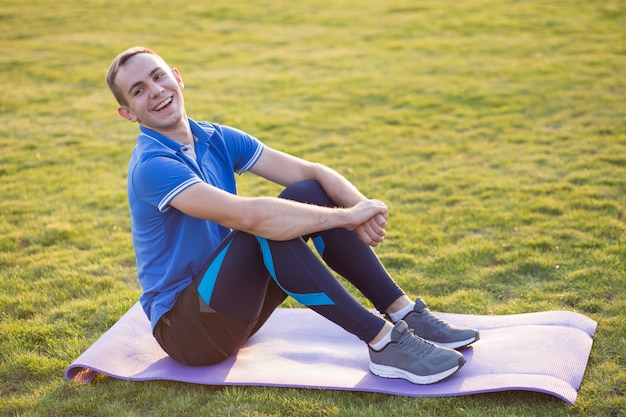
(370, 221)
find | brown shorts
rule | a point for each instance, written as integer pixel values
(195, 337)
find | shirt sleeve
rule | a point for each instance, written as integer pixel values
(243, 148)
(159, 179)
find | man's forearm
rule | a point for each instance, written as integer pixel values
(281, 219)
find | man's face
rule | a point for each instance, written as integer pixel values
(153, 92)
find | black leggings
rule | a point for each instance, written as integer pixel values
(249, 276)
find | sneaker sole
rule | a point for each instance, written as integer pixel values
(458, 344)
(385, 371)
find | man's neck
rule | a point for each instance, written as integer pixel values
(181, 132)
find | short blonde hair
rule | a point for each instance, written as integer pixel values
(114, 68)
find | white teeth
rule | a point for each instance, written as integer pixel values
(163, 104)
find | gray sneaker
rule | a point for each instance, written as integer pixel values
(425, 324)
(410, 357)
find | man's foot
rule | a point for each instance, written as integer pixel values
(410, 357)
(425, 324)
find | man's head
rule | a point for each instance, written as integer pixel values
(148, 90)
(115, 66)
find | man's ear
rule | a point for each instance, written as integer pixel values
(178, 77)
(126, 113)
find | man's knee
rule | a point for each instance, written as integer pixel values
(307, 191)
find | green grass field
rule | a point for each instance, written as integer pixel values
(494, 130)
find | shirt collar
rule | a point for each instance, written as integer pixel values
(198, 132)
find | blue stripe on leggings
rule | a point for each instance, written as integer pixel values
(207, 283)
(311, 299)
(319, 244)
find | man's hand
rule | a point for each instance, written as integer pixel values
(371, 221)
(373, 231)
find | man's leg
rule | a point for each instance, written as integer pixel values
(299, 272)
(345, 253)
(247, 278)
(195, 334)
(398, 352)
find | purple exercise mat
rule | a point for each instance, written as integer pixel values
(544, 352)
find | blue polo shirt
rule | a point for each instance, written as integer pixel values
(171, 247)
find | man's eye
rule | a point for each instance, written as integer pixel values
(138, 91)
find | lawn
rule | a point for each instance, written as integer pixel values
(494, 130)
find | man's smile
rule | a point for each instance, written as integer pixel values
(163, 104)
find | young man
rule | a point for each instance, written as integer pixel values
(214, 265)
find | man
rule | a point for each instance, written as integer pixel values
(214, 265)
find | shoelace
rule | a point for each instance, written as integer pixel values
(409, 341)
(431, 318)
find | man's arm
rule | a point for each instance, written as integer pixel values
(286, 169)
(275, 218)
(281, 219)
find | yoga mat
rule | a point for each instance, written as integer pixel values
(544, 352)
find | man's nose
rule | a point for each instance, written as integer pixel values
(155, 89)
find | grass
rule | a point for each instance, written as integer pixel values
(494, 130)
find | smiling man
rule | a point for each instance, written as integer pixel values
(213, 265)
